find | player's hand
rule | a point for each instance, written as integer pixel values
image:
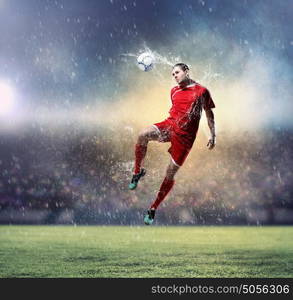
(211, 143)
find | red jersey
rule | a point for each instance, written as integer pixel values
(181, 127)
(187, 105)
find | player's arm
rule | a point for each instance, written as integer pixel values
(211, 123)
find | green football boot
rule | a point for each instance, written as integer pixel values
(135, 178)
(149, 217)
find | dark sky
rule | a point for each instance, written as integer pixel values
(52, 49)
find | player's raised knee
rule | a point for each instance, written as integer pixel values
(146, 135)
(143, 136)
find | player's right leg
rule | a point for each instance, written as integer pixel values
(165, 188)
(148, 134)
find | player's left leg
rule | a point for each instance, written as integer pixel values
(165, 188)
(148, 134)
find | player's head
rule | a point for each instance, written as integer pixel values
(180, 72)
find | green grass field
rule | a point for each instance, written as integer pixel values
(109, 251)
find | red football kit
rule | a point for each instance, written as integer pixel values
(181, 127)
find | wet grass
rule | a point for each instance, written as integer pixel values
(114, 251)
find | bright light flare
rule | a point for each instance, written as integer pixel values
(6, 98)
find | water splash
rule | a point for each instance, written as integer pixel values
(159, 59)
(122, 171)
(209, 76)
(169, 61)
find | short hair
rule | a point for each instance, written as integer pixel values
(182, 66)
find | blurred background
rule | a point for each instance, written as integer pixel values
(72, 102)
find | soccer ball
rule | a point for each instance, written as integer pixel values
(145, 61)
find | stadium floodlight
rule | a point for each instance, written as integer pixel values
(6, 98)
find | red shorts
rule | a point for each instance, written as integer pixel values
(180, 147)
